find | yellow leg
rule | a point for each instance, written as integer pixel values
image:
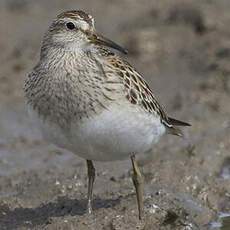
(91, 178)
(138, 183)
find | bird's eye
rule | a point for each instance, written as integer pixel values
(70, 26)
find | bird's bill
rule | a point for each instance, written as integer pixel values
(101, 40)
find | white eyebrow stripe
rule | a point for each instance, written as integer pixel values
(80, 23)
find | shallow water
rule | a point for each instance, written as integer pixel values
(225, 169)
(21, 144)
(222, 223)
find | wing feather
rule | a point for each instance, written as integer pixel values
(138, 91)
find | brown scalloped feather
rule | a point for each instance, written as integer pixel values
(139, 93)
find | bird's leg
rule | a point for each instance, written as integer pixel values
(138, 183)
(91, 177)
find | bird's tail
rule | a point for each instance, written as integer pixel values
(177, 122)
(175, 130)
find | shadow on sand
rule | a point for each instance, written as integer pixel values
(31, 217)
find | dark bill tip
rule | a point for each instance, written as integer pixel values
(99, 39)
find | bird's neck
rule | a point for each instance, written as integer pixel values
(56, 57)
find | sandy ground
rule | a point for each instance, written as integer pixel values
(183, 50)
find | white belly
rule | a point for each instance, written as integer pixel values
(114, 134)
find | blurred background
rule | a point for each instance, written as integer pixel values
(183, 50)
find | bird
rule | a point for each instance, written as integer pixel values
(85, 97)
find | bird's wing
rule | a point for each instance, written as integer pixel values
(139, 93)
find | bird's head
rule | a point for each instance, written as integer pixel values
(75, 30)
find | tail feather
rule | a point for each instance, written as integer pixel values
(177, 122)
(175, 131)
